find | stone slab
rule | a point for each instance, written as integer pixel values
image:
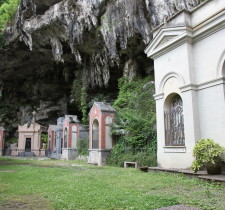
(218, 178)
(199, 174)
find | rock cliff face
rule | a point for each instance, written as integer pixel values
(54, 42)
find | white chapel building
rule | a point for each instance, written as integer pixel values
(189, 58)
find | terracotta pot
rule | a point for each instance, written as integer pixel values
(214, 169)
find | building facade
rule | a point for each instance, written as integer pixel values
(102, 115)
(29, 140)
(70, 137)
(63, 137)
(189, 59)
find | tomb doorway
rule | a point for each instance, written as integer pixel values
(28, 145)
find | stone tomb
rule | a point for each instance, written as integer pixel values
(102, 115)
(1, 140)
(189, 59)
(70, 137)
(63, 137)
(29, 141)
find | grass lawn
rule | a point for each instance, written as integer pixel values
(51, 184)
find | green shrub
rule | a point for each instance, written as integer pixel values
(44, 139)
(7, 14)
(136, 117)
(82, 146)
(79, 94)
(206, 151)
(12, 140)
(144, 158)
(134, 127)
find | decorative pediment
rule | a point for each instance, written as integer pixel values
(165, 37)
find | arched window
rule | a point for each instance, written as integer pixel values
(74, 137)
(95, 134)
(108, 135)
(174, 122)
(65, 138)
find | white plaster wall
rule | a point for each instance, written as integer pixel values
(206, 10)
(173, 61)
(171, 159)
(212, 113)
(207, 54)
(176, 159)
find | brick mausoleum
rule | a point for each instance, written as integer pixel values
(102, 115)
(63, 137)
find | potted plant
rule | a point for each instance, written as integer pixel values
(208, 154)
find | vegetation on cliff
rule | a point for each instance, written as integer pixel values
(7, 13)
(135, 123)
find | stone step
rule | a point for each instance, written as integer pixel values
(200, 174)
(218, 178)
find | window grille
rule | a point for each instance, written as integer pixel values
(174, 123)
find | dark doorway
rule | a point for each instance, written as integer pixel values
(28, 145)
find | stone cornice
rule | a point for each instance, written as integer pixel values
(158, 96)
(185, 34)
(195, 87)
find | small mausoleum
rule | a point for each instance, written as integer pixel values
(102, 115)
(29, 141)
(189, 58)
(70, 137)
(63, 137)
(1, 140)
